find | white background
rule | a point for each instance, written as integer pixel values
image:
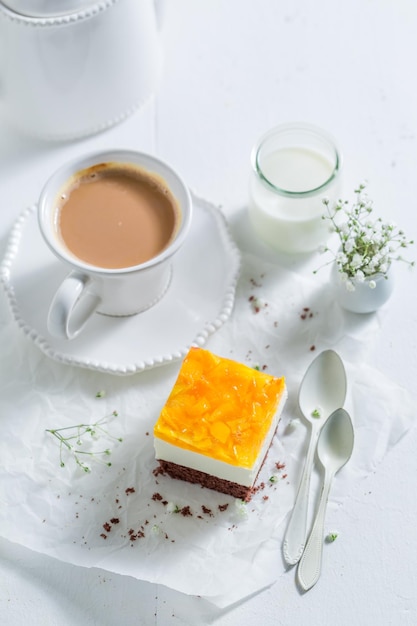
(232, 71)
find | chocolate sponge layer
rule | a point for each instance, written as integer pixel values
(206, 480)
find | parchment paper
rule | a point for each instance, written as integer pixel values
(125, 519)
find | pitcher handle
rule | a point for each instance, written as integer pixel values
(160, 6)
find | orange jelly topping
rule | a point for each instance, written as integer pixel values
(220, 408)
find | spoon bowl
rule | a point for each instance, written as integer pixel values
(322, 391)
(334, 449)
(335, 443)
(323, 388)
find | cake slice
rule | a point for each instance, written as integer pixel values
(218, 423)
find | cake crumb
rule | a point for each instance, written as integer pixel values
(257, 303)
(206, 511)
(186, 511)
(306, 313)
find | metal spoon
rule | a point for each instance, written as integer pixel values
(322, 391)
(334, 449)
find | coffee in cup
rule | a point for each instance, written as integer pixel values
(115, 215)
(116, 219)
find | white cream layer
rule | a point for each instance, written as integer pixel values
(236, 474)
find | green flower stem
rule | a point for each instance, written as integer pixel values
(81, 430)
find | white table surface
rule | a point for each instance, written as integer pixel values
(232, 71)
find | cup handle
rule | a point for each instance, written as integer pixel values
(71, 307)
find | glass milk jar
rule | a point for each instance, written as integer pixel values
(294, 166)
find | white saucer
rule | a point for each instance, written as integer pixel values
(199, 299)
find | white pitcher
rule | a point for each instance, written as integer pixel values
(80, 70)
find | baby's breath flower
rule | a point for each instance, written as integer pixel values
(69, 434)
(349, 246)
(341, 258)
(241, 509)
(292, 425)
(367, 246)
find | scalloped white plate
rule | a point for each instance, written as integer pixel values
(199, 299)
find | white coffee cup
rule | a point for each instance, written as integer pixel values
(71, 68)
(89, 289)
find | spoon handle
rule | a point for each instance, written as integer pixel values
(309, 567)
(295, 535)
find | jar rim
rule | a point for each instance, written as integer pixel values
(307, 128)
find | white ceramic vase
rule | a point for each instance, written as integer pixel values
(364, 299)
